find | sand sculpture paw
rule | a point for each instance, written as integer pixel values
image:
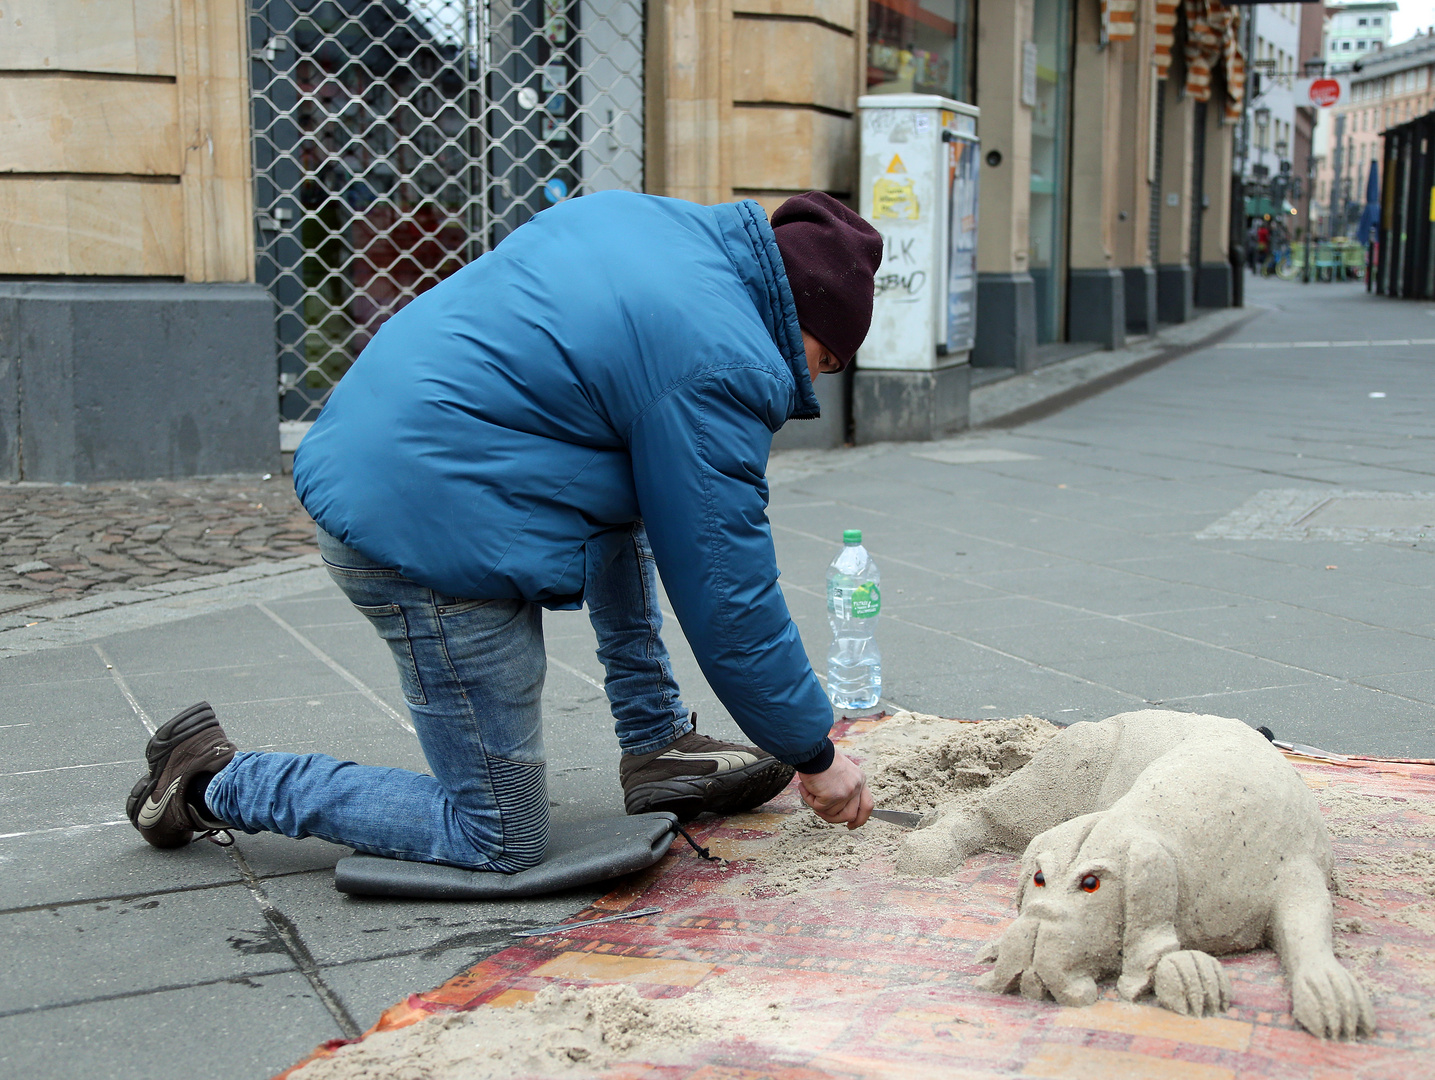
(942, 843)
(1328, 1002)
(1192, 983)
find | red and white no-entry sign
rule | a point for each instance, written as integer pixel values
(1324, 92)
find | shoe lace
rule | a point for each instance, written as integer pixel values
(702, 851)
(213, 836)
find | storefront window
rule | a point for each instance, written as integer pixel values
(920, 46)
(1050, 128)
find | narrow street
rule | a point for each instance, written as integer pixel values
(1115, 554)
(1244, 531)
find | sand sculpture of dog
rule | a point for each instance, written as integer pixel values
(1157, 841)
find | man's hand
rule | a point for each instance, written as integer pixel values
(839, 794)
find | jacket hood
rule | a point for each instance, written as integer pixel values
(753, 247)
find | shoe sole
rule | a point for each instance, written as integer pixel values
(739, 790)
(167, 736)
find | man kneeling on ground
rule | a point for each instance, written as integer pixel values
(589, 403)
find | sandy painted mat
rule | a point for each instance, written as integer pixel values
(865, 974)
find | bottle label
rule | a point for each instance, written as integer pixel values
(863, 602)
(866, 601)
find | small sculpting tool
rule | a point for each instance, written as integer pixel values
(898, 817)
(543, 931)
(1309, 751)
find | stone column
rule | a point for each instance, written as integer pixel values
(752, 98)
(1213, 276)
(796, 72)
(1096, 291)
(757, 99)
(1175, 283)
(795, 79)
(1006, 294)
(1132, 230)
(687, 100)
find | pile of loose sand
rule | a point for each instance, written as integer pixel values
(917, 762)
(563, 1030)
(913, 761)
(1370, 879)
(1349, 813)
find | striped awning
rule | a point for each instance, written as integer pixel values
(1235, 73)
(1118, 19)
(1213, 38)
(1165, 35)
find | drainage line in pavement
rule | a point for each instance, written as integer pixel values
(67, 768)
(288, 935)
(584, 676)
(1389, 343)
(338, 669)
(64, 828)
(149, 724)
(241, 980)
(127, 898)
(1039, 410)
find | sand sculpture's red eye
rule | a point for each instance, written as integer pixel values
(1039, 879)
(1090, 883)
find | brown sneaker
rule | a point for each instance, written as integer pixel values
(188, 746)
(698, 775)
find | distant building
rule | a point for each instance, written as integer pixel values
(1354, 31)
(1305, 153)
(1388, 88)
(1275, 33)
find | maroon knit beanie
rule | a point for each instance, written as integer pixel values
(831, 256)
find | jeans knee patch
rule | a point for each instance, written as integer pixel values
(521, 791)
(389, 621)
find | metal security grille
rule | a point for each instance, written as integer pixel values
(1158, 140)
(397, 140)
(1198, 189)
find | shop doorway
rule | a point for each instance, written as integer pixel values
(1050, 158)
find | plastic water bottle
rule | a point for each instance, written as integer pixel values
(854, 600)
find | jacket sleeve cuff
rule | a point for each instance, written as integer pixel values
(820, 761)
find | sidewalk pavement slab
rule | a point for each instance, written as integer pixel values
(1052, 568)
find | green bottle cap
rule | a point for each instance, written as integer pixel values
(851, 536)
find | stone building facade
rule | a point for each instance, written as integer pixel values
(219, 172)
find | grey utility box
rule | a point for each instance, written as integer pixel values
(919, 177)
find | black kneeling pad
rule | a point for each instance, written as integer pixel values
(579, 853)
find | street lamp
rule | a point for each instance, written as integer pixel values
(1284, 184)
(1310, 167)
(1263, 123)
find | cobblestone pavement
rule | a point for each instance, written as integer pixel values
(67, 541)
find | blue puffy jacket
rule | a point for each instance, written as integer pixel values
(619, 357)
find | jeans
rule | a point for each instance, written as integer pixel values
(472, 674)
